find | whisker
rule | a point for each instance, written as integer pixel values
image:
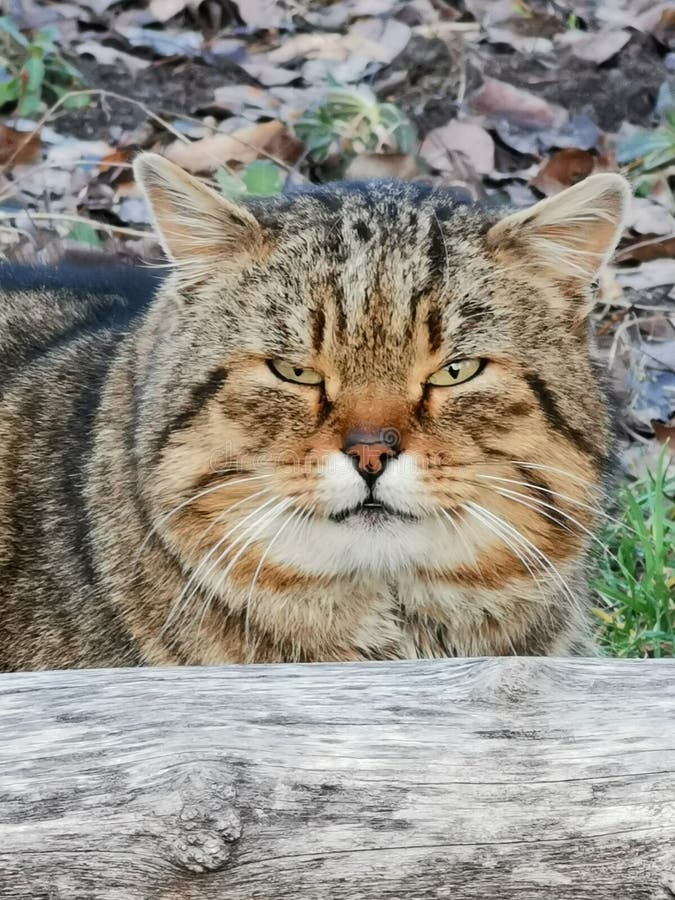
(253, 530)
(540, 489)
(470, 554)
(196, 574)
(522, 498)
(522, 540)
(193, 499)
(294, 516)
(499, 532)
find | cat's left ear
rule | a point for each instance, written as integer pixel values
(197, 227)
(568, 237)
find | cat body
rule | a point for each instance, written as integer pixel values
(361, 422)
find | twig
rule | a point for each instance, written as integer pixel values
(65, 217)
(626, 252)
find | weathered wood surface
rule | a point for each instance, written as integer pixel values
(471, 780)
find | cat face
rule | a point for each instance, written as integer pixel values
(374, 379)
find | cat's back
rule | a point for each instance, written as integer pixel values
(44, 310)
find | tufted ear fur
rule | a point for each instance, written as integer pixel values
(197, 227)
(568, 237)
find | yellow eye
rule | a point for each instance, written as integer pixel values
(288, 372)
(456, 372)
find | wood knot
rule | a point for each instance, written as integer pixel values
(204, 823)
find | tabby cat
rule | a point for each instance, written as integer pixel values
(360, 421)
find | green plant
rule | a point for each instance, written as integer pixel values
(649, 150)
(33, 70)
(351, 121)
(637, 582)
(260, 178)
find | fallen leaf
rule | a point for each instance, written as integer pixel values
(240, 147)
(18, 147)
(73, 152)
(163, 10)
(467, 138)
(167, 42)
(564, 168)
(268, 74)
(664, 432)
(116, 158)
(349, 71)
(134, 210)
(261, 13)
(595, 46)
(646, 217)
(368, 166)
(580, 132)
(524, 43)
(664, 31)
(644, 460)
(379, 39)
(315, 45)
(661, 354)
(651, 274)
(501, 100)
(648, 248)
(109, 56)
(344, 57)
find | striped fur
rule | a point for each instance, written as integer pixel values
(165, 498)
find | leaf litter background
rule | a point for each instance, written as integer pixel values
(508, 100)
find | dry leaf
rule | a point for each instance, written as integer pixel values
(261, 13)
(646, 217)
(525, 43)
(651, 274)
(594, 46)
(108, 56)
(467, 138)
(266, 73)
(116, 158)
(499, 99)
(316, 45)
(664, 432)
(241, 147)
(163, 10)
(20, 147)
(564, 168)
(378, 39)
(648, 247)
(370, 39)
(382, 165)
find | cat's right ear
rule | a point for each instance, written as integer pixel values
(197, 227)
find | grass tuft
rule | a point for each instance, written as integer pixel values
(637, 571)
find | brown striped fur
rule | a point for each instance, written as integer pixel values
(166, 498)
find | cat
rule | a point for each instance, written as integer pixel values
(358, 421)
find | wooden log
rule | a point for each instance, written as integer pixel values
(482, 779)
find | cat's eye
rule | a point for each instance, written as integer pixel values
(299, 375)
(456, 372)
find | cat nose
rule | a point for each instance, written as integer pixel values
(370, 451)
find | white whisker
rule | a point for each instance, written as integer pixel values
(192, 499)
(522, 540)
(197, 574)
(536, 487)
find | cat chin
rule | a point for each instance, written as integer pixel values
(383, 546)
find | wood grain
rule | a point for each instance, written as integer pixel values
(465, 779)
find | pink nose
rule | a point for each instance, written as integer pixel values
(371, 450)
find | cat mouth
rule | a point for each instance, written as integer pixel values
(373, 511)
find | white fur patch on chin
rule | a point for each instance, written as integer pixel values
(382, 545)
(385, 547)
